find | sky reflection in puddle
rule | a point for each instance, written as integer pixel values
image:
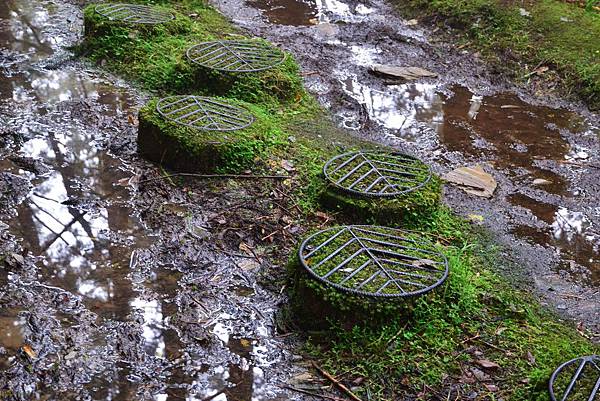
(310, 12)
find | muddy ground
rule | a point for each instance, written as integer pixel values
(471, 114)
(118, 285)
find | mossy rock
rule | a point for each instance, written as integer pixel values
(156, 55)
(186, 149)
(393, 212)
(315, 306)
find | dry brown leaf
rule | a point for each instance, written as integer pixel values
(26, 348)
(487, 364)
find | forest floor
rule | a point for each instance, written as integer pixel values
(121, 282)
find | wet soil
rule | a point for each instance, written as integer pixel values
(541, 149)
(116, 284)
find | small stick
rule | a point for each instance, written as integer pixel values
(339, 385)
(236, 176)
(324, 396)
(579, 164)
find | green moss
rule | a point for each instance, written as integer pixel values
(394, 212)
(474, 315)
(187, 149)
(155, 56)
(556, 34)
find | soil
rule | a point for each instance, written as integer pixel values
(117, 284)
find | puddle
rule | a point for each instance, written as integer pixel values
(21, 24)
(403, 108)
(309, 12)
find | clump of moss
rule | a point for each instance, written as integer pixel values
(317, 303)
(155, 55)
(183, 148)
(315, 306)
(399, 211)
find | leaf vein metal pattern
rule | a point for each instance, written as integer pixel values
(134, 13)
(376, 174)
(577, 379)
(204, 113)
(236, 55)
(373, 261)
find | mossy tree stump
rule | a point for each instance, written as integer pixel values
(362, 274)
(380, 187)
(186, 148)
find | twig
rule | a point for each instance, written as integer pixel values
(579, 164)
(236, 176)
(324, 396)
(339, 385)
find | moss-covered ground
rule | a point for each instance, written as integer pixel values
(555, 35)
(476, 334)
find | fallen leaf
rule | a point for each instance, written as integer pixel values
(412, 22)
(541, 70)
(491, 387)
(29, 351)
(248, 264)
(476, 218)
(423, 263)
(287, 166)
(530, 358)
(406, 73)
(245, 343)
(473, 180)
(487, 364)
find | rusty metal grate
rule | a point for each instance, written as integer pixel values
(576, 380)
(376, 174)
(236, 55)
(204, 113)
(134, 13)
(374, 261)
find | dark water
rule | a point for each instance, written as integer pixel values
(309, 12)
(76, 218)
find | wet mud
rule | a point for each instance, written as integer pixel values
(114, 283)
(539, 148)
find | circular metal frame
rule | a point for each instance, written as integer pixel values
(583, 361)
(386, 255)
(236, 55)
(394, 174)
(204, 113)
(134, 13)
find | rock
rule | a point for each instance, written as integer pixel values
(472, 180)
(541, 181)
(412, 22)
(404, 73)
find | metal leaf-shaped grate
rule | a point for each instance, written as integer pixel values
(577, 380)
(377, 174)
(374, 261)
(236, 55)
(204, 113)
(134, 13)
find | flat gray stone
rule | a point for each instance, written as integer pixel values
(405, 73)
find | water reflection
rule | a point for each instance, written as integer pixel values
(399, 107)
(21, 24)
(310, 12)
